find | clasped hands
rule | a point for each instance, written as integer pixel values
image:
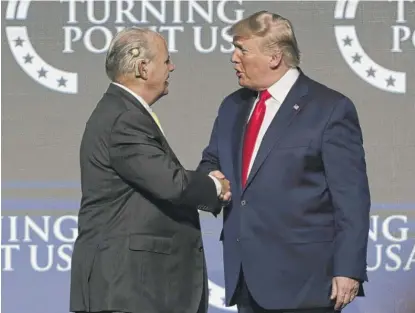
(225, 194)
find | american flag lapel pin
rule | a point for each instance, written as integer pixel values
(296, 107)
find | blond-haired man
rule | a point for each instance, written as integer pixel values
(295, 233)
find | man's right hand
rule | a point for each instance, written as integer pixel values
(226, 190)
(226, 186)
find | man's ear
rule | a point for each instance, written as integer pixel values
(275, 60)
(141, 69)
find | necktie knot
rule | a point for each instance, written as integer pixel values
(264, 95)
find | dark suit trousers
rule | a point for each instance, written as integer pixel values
(246, 303)
(201, 309)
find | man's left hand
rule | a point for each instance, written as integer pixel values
(344, 290)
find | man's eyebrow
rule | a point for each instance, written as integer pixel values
(239, 45)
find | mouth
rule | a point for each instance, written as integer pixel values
(238, 73)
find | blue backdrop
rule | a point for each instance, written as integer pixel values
(36, 250)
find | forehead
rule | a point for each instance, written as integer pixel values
(160, 45)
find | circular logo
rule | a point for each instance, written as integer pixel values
(357, 59)
(27, 58)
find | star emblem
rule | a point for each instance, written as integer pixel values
(390, 81)
(62, 82)
(19, 42)
(347, 41)
(371, 72)
(42, 72)
(357, 58)
(28, 58)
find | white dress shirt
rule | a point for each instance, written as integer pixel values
(278, 91)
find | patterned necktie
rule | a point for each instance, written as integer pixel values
(156, 119)
(251, 133)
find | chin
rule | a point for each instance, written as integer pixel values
(241, 83)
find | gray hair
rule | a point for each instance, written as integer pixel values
(276, 31)
(127, 47)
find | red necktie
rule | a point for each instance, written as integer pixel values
(251, 133)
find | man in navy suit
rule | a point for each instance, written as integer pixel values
(295, 233)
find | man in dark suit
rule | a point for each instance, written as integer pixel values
(295, 233)
(139, 247)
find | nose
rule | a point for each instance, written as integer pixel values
(234, 57)
(172, 67)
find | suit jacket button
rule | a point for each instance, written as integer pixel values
(243, 202)
(237, 239)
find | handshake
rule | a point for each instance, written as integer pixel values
(225, 194)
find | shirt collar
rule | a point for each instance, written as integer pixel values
(282, 87)
(141, 100)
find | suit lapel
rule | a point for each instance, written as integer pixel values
(245, 103)
(292, 105)
(132, 102)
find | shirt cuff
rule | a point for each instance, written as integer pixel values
(217, 184)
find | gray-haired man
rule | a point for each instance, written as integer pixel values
(139, 247)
